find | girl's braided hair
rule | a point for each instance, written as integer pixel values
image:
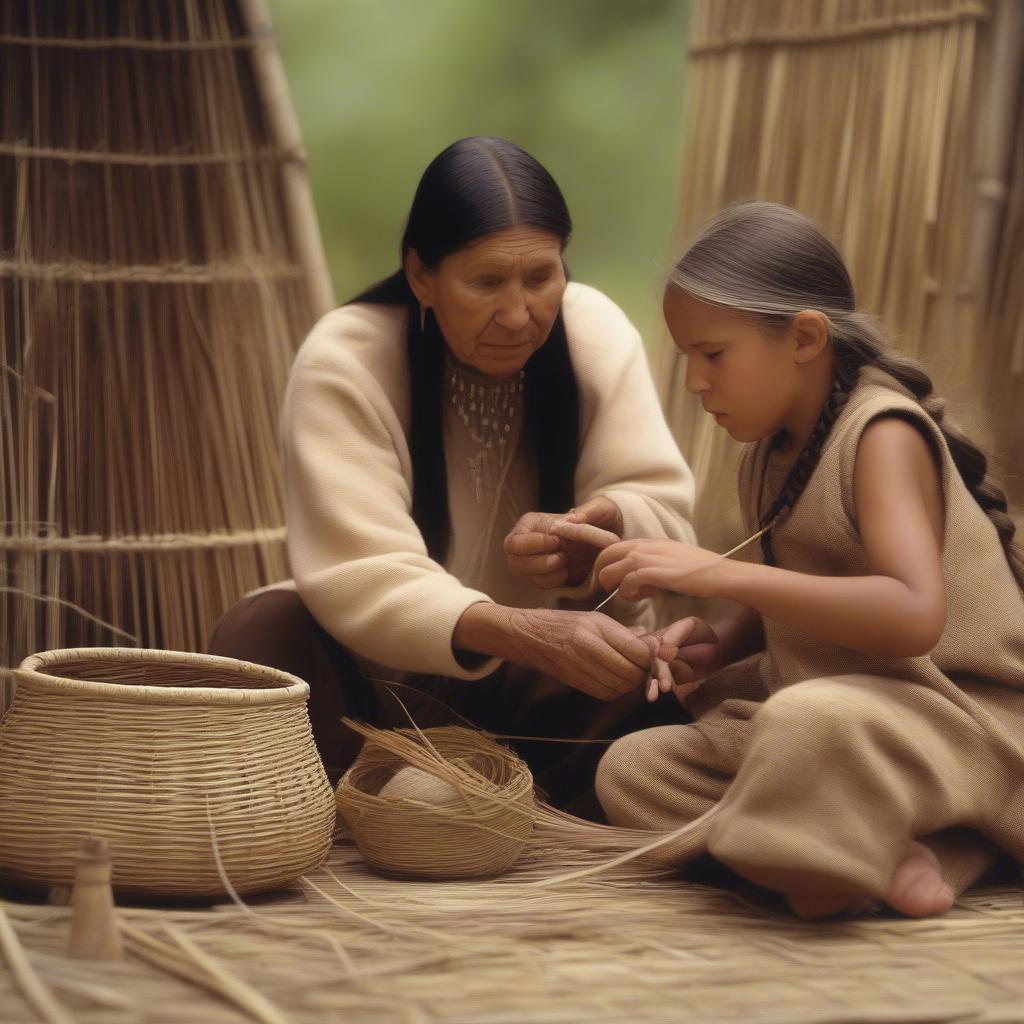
(769, 262)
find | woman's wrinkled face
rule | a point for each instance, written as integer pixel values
(496, 299)
(743, 375)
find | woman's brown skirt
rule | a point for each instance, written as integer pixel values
(274, 627)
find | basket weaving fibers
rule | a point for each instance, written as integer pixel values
(169, 756)
(480, 832)
(160, 263)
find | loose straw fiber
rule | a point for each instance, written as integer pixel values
(166, 755)
(864, 116)
(473, 823)
(158, 268)
(354, 946)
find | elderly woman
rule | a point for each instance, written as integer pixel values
(460, 442)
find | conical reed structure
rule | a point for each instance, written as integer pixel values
(866, 116)
(159, 263)
(1005, 329)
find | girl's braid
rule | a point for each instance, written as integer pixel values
(807, 460)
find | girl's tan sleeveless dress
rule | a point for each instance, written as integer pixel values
(821, 762)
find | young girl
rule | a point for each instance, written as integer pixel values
(865, 740)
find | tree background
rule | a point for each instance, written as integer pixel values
(592, 88)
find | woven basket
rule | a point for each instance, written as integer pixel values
(479, 833)
(168, 755)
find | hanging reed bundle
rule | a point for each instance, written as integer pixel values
(444, 802)
(190, 766)
(1005, 378)
(159, 263)
(864, 116)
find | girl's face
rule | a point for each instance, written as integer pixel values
(745, 376)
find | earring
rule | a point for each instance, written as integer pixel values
(423, 319)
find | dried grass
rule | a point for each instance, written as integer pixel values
(160, 264)
(867, 117)
(631, 944)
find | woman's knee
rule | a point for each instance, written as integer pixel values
(270, 628)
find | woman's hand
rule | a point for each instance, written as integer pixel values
(685, 654)
(559, 550)
(639, 568)
(586, 650)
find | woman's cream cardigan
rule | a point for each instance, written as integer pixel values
(358, 559)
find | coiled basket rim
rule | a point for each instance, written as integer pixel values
(41, 672)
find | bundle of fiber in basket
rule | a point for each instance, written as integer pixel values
(445, 802)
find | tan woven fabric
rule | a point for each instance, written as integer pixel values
(824, 761)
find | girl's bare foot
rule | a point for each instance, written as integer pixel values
(932, 873)
(918, 888)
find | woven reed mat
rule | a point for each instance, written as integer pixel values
(347, 945)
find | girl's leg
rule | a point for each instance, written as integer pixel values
(659, 779)
(841, 777)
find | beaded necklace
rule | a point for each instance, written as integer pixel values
(488, 409)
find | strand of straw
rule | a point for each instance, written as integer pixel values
(143, 543)
(730, 552)
(25, 976)
(200, 970)
(474, 725)
(262, 923)
(50, 599)
(107, 156)
(231, 985)
(662, 840)
(129, 43)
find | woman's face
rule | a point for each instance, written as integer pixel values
(496, 299)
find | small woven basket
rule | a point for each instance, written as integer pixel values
(479, 831)
(174, 758)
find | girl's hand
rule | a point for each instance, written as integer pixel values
(555, 551)
(684, 655)
(642, 567)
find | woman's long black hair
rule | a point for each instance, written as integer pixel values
(477, 186)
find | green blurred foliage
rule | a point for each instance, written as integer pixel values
(592, 88)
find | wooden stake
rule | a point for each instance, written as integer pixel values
(94, 930)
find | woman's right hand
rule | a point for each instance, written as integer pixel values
(586, 650)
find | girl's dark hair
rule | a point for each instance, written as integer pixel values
(477, 186)
(769, 262)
